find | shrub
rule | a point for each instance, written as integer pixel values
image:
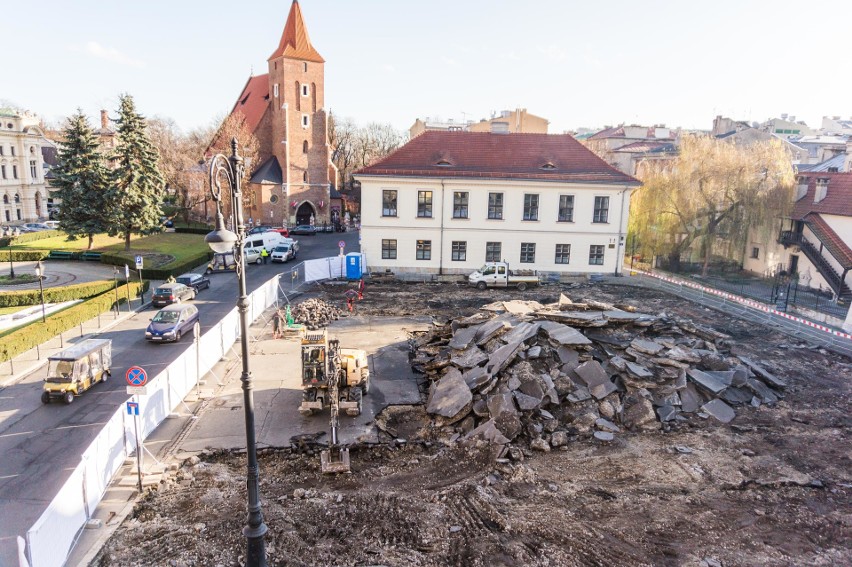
(55, 294)
(30, 237)
(25, 338)
(163, 272)
(193, 230)
(23, 255)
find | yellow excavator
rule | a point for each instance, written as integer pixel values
(334, 377)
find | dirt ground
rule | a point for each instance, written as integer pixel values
(773, 487)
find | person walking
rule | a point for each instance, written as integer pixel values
(361, 289)
(264, 254)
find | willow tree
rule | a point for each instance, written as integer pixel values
(711, 194)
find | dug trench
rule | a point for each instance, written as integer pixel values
(674, 436)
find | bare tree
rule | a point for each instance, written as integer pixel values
(355, 147)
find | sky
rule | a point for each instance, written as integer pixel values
(575, 63)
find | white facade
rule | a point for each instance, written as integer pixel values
(448, 242)
(23, 193)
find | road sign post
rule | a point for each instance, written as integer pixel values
(139, 261)
(342, 245)
(133, 409)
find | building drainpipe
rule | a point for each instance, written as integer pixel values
(441, 246)
(618, 256)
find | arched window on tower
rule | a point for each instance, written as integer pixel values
(298, 96)
(305, 147)
(314, 96)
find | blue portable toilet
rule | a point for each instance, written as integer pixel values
(353, 266)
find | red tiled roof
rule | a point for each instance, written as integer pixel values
(253, 100)
(295, 43)
(830, 239)
(838, 199)
(484, 155)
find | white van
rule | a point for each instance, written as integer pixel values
(268, 240)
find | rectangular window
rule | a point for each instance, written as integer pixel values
(460, 204)
(563, 253)
(493, 251)
(601, 209)
(424, 249)
(3, 171)
(530, 206)
(275, 90)
(389, 203)
(1, 150)
(566, 209)
(596, 255)
(305, 90)
(388, 249)
(13, 150)
(495, 205)
(459, 251)
(424, 204)
(33, 170)
(527, 252)
(305, 121)
(755, 253)
(14, 172)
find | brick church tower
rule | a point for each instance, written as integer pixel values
(294, 181)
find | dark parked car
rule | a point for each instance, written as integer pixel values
(172, 322)
(305, 229)
(195, 281)
(170, 293)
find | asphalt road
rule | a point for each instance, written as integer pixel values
(41, 444)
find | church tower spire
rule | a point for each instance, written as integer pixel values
(295, 43)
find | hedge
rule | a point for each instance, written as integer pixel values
(23, 255)
(188, 230)
(163, 272)
(30, 237)
(27, 337)
(55, 294)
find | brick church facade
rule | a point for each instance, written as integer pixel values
(294, 180)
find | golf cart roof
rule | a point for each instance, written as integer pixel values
(81, 349)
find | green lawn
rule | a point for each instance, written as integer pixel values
(159, 249)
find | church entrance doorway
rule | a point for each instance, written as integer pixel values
(305, 214)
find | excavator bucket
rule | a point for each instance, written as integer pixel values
(335, 460)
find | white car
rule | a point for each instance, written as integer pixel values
(36, 226)
(283, 253)
(252, 255)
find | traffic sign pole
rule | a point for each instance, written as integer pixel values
(138, 448)
(139, 261)
(127, 285)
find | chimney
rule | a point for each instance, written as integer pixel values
(104, 120)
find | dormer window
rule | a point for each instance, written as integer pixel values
(443, 163)
(547, 166)
(821, 189)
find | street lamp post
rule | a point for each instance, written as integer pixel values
(223, 240)
(39, 272)
(11, 265)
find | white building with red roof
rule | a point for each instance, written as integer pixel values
(446, 202)
(814, 241)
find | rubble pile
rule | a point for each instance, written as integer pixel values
(315, 313)
(546, 374)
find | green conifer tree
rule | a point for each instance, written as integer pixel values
(137, 187)
(81, 181)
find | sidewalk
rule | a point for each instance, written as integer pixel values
(20, 366)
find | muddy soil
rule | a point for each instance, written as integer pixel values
(774, 487)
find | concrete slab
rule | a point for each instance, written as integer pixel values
(720, 410)
(563, 334)
(706, 381)
(463, 337)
